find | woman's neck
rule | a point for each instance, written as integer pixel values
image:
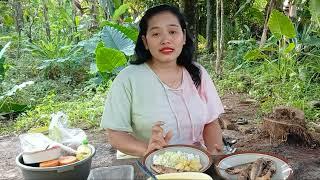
(167, 67)
(170, 74)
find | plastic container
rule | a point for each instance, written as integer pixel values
(40, 156)
(124, 172)
(75, 171)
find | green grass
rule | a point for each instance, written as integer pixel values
(84, 113)
(269, 92)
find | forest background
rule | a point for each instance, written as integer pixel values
(62, 55)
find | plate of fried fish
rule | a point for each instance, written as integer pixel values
(177, 158)
(254, 166)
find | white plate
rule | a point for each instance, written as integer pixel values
(183, 176)
(283, 168)
(205, 158)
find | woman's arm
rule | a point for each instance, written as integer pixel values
(212, 135)
(126, 143)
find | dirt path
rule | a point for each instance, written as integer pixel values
(305, 161)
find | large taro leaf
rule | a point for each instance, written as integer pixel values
(130, 32)
(90, 44)
(280, 25)
(108, 59)
(9, 107)
(115, 39)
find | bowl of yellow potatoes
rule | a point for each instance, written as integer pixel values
(177, 159)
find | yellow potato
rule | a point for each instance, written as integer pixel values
(179, 166)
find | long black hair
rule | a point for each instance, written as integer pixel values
(184, 59)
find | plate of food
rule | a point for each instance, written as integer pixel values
(177, 158)
(258, 166)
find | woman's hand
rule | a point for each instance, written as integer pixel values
(157, 140)
(217, 150)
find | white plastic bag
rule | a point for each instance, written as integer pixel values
(59, 131)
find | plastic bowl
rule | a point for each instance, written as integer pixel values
(75, 171)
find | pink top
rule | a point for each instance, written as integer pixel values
(193, 108)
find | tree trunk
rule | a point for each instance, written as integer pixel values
(109, 9)
(265, 26)
(94, 14)
(220, 43)
(46, 19)
(18, 15)
(74, 17)
(29, 31)
(191, 13)
(209, 28)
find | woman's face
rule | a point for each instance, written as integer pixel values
(164, 38)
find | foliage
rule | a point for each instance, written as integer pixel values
(2, 59)
(280, 25)
(315, 10)
(7, 106)
(72, 67)
(108, 59)
(283, 72)
(130, 32)
(113, 51)
(121, 10)
(85, 112)
(117, 40)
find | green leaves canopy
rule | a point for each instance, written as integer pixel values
(280, 25)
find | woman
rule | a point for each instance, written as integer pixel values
(164, 97)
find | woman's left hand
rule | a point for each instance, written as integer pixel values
(217, 150)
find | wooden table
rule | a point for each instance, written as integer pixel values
(138, 174)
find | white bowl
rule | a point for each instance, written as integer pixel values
(283, 172)
(205, 158)
(40, 156)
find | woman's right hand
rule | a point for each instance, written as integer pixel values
(157, 139)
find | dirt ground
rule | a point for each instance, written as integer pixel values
(305, 161)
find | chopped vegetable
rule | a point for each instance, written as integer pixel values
(178, 160)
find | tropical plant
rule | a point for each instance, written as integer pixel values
(114, 49)
(283, 65)
(2, 60)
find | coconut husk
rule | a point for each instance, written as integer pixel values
(287, 124)
(288, 114)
